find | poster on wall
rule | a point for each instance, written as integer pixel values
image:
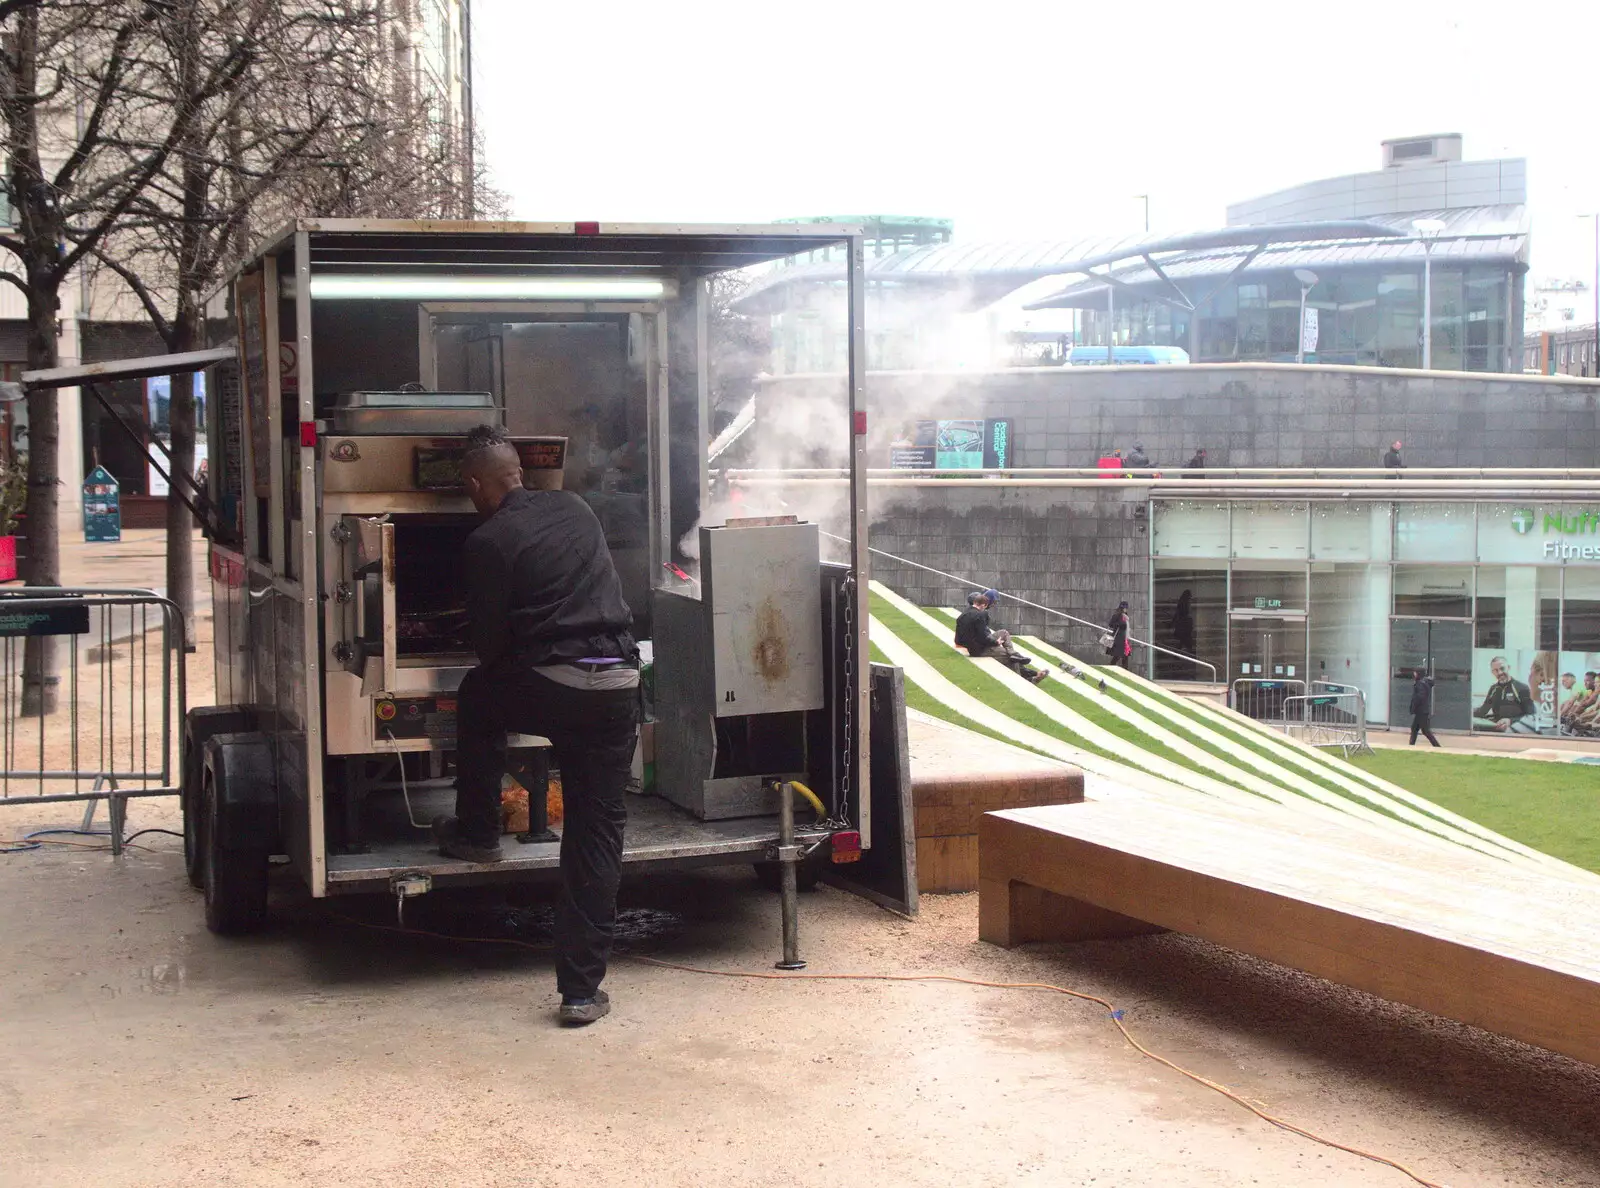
(988, 444)
(1527, 691)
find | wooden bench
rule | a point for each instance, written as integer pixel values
(1468, 937)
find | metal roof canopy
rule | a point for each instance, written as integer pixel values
(988, 271)
(598, 249)
(1255, 239)
(1488, 232)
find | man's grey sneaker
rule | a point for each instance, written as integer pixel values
(447, 832)
(577, 1012)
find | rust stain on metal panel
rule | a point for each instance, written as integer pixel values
(770, 656)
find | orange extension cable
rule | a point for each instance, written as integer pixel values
(1110, 1009)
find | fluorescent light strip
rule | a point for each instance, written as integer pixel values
(351, 287)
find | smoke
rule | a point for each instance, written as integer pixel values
(926, 352)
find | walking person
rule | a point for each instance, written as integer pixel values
(1196, 466)
(1422, 709)
(1137, 457)
(1393, 461)
(1118, 646)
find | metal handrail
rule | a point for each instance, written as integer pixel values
(1049, 610)
(1208, 471)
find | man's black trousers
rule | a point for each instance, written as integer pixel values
(1422, 724)
(593, 733)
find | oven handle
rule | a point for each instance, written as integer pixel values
(391, 648)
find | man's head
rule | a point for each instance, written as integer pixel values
(1590, 679)
(1201, 452)
(982, 599)
(1568, 680)
(490, 468)
(1397, 447)
(1499, 669)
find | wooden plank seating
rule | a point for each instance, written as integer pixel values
(1504, 948)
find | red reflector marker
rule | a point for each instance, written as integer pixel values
(586, 228)
(861, 424)
(847, 846)
(308, 433)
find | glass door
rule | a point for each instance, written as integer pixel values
(1268, 654)
(1443, 649)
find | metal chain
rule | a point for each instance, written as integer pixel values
(847, 589)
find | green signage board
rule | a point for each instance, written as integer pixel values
(102, 506)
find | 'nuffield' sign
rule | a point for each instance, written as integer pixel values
(1558, 523)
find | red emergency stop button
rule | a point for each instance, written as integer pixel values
(385, 711)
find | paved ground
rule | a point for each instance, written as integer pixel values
(144, 1051)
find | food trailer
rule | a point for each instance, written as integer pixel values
(363, 353)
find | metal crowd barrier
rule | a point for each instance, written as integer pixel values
(92, 698)
(1328, 718)
(1262, 699)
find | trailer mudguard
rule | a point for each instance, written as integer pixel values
(243, 771)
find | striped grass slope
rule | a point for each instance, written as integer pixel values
(1143, 739)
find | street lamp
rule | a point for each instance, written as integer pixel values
(1308, 281)
(1596, 218)
(1429, 230)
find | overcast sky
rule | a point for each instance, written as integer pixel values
(1022, 119)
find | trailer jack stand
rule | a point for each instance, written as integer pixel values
(788, 856)
(408, 885)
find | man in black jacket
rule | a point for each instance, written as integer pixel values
(1393, 461)
(1422, 708)
(555, 659)
(983, 642)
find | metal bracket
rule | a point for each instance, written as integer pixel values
(408, 884)
(340, 533)
(343, 652)
(344, 592)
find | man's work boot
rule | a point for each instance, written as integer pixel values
(447, 832)
(578, 1012)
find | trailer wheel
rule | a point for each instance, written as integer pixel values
(806, 876)
(235, 881)
(199, 725)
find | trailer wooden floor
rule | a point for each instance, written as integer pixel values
(1464, 936)
(657, 832)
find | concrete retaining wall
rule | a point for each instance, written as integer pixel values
(1258, 414)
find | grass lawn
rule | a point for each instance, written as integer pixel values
(1554, 807)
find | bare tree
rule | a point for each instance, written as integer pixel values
(323, 120)
(84, 133)
(240, 155)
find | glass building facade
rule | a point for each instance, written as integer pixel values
(1365, 316)
(1500, 603)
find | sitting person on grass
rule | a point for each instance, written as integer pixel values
(981, 641)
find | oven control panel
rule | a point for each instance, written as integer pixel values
(403, 718)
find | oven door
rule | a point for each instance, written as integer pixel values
(369, 592)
